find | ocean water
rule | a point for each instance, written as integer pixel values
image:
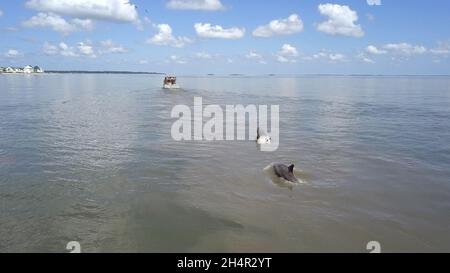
(90, 158)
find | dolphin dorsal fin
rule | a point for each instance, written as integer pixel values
(291, 168)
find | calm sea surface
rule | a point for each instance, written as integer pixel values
(90, 158)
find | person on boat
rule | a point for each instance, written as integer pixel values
(167, 80)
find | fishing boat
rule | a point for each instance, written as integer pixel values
(170, 82)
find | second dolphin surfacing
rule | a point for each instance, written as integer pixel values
(262, 137)
(282, 175)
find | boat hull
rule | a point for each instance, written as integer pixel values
(171, 86)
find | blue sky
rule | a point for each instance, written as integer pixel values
(228, 36)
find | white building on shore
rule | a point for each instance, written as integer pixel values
(37, 69)
(24, 70)
(28, 69)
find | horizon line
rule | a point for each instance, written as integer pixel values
(242, 74)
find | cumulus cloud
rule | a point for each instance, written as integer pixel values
(367, 60)
(405, 49)
(374, 2)
(341, 21)
(1, 13)
(292, 24)
(283, 59)
(363, 58)
(81, 49)
(165, 37)
(397, 49)
(330, 57)
(206, 5)
(336, 57)
(203, 55)
(57, 23)
(86, 49)
(288, 50)
(443, 48)
(255, 56)
(66, 50)
(12, 53)
(108, 10)
(10, 29)
(370, 17)
(50, 49)
(177, 60)
(109, 47)
(287, 54)
(375, 51)
(86, 24)
(218, 32)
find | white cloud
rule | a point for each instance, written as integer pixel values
(255, 56)
(443, 48)
(143, 62)
(66, 50)
(86, 49)
(283, 59)
(177, 60)
(82, 49)
(292, 24)
(12, 53)
(57, 23)
(109, 47)
(50, 49)
(107, 43)
(362, 57)
(164, 37)
(341, 21)
(375, 51)
(287, 54)
(206, 5)
(395, 51)
(320, 55)
(218, 32)
(330, 57)
(203, 55)
(288, 50)
(367, 60)
(1, 13)
(439, 51)
(374, 2)
(147, 20)
(109, 10)
(86, 24)
(405, 49)
(370, 17)
(336, 57)
(10, 29)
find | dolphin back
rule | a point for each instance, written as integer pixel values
(285, 172)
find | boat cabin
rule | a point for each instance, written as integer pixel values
(170, 81)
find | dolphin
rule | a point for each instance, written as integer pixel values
(283, 173)
(262, 137)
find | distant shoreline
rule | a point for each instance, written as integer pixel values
(99, 72)
(242, 75)
(223, 75)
